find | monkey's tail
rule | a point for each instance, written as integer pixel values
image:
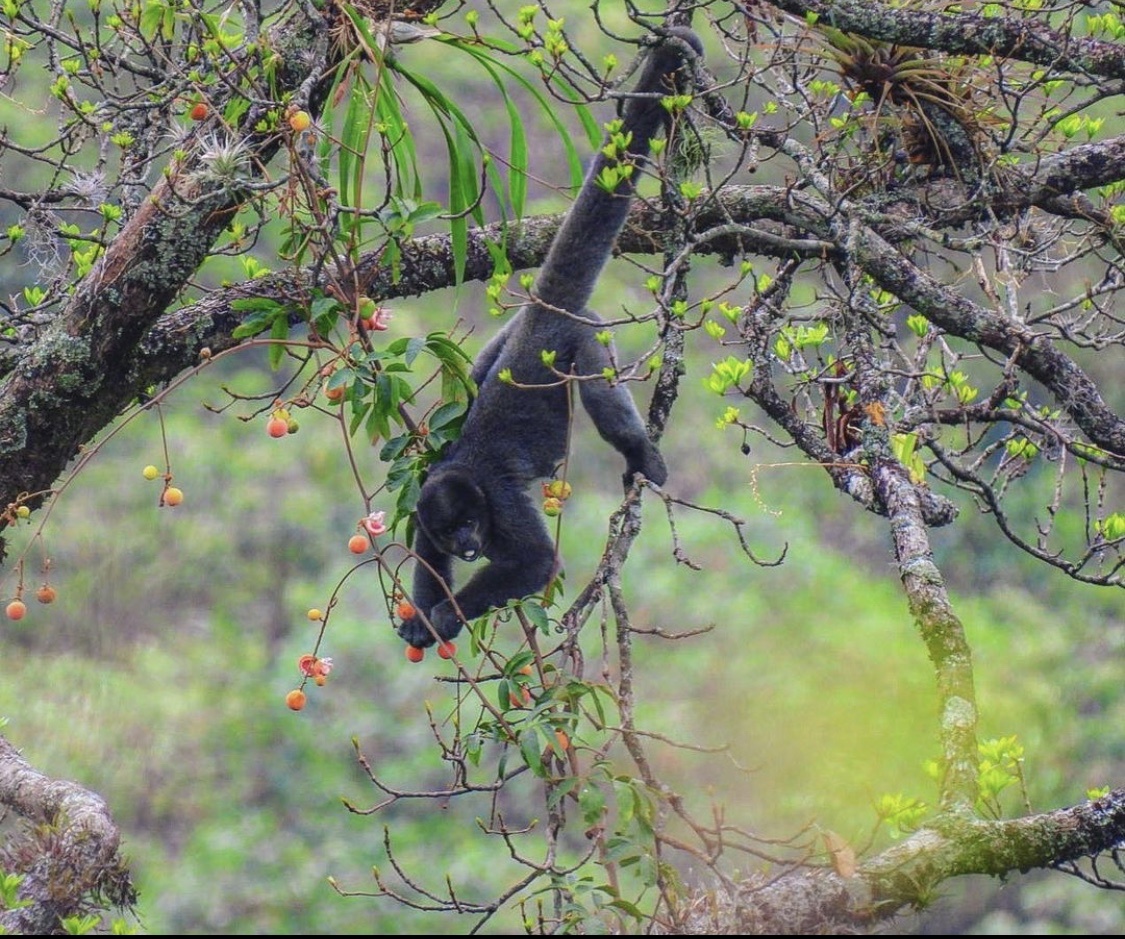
(585, 240)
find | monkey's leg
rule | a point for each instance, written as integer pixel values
(616, 416)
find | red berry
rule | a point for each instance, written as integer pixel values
(199, 111)
(415, 653)
(405, 610)
(16, 609)
(447, 650)
(357, 544)
(276, 427)
(46, 594)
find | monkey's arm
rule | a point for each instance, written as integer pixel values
(521, 562)
(433, 579)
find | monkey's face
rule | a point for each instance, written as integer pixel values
(453, 511)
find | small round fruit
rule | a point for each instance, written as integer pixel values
(334, 394)
(321, 680)
(150, 472)
(22, 511)
(306, 664)
(552, 506)
(520, 699)
(295, 700)
(173, 496)
(46, 594)
(405, 610)
(559, 488)
(199, 111)
(415, 653)
(357, 544)
(276, 427)
(528, 669)
(300, 120)
(447, 649)
(16, 610)
(562, 738)
(314, 614)
(291, 426)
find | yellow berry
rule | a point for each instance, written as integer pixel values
(300, 120)
(22, 511)
(314, 614)
(151, 472)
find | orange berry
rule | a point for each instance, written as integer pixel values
(295, 700)
(16, 609)
(199, 111)
(320, 680)
(447, 650)
(527, 669)
(562, 738)
(173, 496)
(405, 610)
(415, 653)
(300, 120)
(46, 594)
(358, 544)
(334, 394)
(522, 699)
(276, 427)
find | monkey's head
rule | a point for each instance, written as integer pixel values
(454, 513)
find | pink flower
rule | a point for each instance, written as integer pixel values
(373, 524)
(379, 320)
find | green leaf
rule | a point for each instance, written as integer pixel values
(591, 803)
(446, 414)
(531, 747)
(279, 332)
(537, 616)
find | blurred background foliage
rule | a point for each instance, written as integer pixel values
(158, 676)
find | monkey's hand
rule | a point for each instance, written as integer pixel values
(444, 620)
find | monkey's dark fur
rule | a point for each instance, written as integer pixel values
(475, 499)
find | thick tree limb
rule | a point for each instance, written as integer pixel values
(904, 877)
(71, 857)
(965, 34)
